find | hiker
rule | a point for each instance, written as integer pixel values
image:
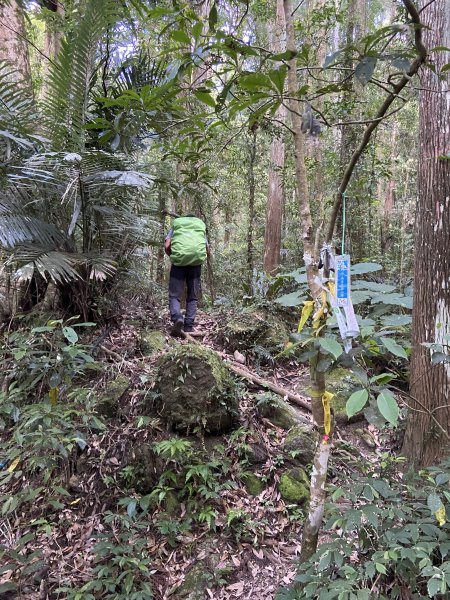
(187, 247)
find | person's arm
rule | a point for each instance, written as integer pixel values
(167, 243)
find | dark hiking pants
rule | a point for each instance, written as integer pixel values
(178, 277)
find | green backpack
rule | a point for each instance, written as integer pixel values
(188, 243)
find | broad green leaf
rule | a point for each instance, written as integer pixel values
(70, 335)
(278, 77)
(131, 508)
(292, 299)
(396, 320)
(255, 81)
(330, 59)
(180, 36)
(383, 378)
(395, 299)
(213, 17)
(42, 329)
(205, 97)
(287, 55)
(434, 586)
(331, 346)
(365, 68)
(394, 348)
(434, 502)
(388, 407)
(356, 402)
(401, 63)
(362, 284)
(365, 267)
(197, 30)
(439, 357)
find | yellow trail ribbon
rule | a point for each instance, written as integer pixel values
(440, 515)
(307, 309)
(13, 465)
(326, 398)
(320, 312)
(53, 395)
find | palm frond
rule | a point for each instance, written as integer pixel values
(71, 73)
(17, 115)
(59, 266)
(137, 72)
(19, 223)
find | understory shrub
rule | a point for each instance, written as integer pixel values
(387, 537)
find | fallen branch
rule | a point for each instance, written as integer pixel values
(268, 384)
(295, 398)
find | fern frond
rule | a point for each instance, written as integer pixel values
(70, 75)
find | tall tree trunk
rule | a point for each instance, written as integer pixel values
(251, 208)
(275, 195)
(424, 442)
(313, 520)
(52, 39)
(13, 44)
(160, 258)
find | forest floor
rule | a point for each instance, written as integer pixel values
(250, 555)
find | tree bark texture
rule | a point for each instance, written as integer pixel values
(251, 207)
(424, 444)
(13, 44)
(52, 39)
(275, 195)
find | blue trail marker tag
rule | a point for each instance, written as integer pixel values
(342, 279)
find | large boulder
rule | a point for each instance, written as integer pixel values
(252, 327)
(278, 411)
(195, 390)
(299, 445)
(108, 402)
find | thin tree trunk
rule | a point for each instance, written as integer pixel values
(424, 444)
(160, 257)
(275, 196)
(313, 520)
(251, 208)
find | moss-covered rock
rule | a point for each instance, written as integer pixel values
(152, 341)
(253, 484)
(197, 579)
(244, 330)
(277, 410)
(299, 445)
(108, 401)
(294, 486)
(195, 389)
(171, 503)
(203, 573)
(142, 468)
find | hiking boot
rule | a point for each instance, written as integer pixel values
(177, 327)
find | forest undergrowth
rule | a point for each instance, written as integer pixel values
(100, 499)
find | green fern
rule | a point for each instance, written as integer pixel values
(71, 75)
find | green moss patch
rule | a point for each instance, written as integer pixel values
(294, 486)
